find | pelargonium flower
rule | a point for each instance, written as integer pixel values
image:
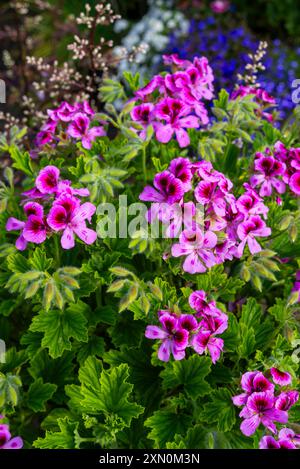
(180, 330)
(168, 189)
(6, 441)
(220, 6)
(283, 378)
(270, 171)
(248, 231)
(286, 400)
(290, 435)
(250, 203)
(269, 442)
(143, 115)
(294, 183)
(80, 128)
(13, 224)
(174, 337)
(181, 168)
(252, 381)
(177, 118)
(47, 180)
(260, 410)
(197, 247)
(205, 341)
(35, 229)
(74, 120)
(72, 221)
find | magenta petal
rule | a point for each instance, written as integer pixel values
(67, 240)
(21, 243)
(248, 426)
(240, 399)
(85, 234)
(84, 212)
(280, 377)
(164, 133)
(14, 443)
(164, 351)
(155, 332)
(13, 224)
(268, 442)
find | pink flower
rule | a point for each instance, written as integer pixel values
(286, 400)
(174, 338)
(13, 224)
(168, 189)
(280, 377)
(197, 247)
(79, 128)
(157, 82)
(270, 170)
(6, 441)
(220, 6)
(251, 204)
(65, 112)
(252, 381)
(72, 220)
(35, 229)
(175, 114)
(198, 301)
(294, 183)
(248, 231)
(205, 341)
(143, 115)
(181, 168)
(174, 59)
(269, 442)
(47, 180)
(33, 208)
(260, 410)
(290, 435)
(208, 193)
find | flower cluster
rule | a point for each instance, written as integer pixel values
(277, 169)
(177, 331)
(6, 441)
(261, 97)
(261, 404)
(287, 439)
(66, 213)
(180, 97)
(217, 226)
(75, 121)
(228, 48)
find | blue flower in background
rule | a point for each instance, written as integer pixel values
(228, 51)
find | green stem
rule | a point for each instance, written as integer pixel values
(56, 252)
(144, 167)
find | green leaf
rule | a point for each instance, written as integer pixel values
(251, 313)
(59, 327)
(63, 439)
(39, 260)
(21, 161)
(190, 374)
(111, 393)
(220, 410)
(38, 394)
(165, 425)
(248, 342)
